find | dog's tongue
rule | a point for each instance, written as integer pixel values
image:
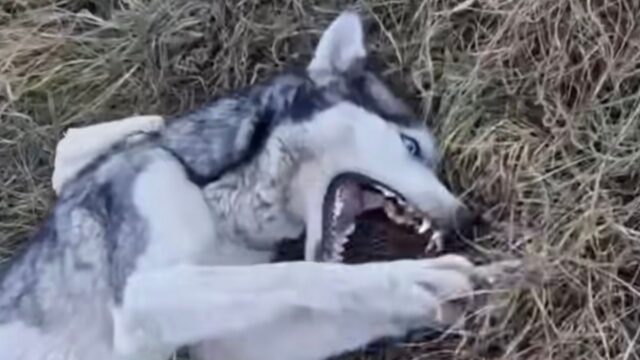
(349, 204)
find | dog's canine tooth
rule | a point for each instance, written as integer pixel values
(425, 225)
(435, 244)
(391, 212)
(410, 209)
(388, 194)
(350, 230)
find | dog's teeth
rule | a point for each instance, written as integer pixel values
(437, 236)
(392, 213)
(386, 192)
(388, 207)
(337, 206)
(436, 243)
(337, 257)
(338, 246)
(390, 210)
(350, 230)
(424, 226)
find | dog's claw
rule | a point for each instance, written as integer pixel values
(507, 274)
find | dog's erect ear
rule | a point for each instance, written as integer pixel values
(341, 45)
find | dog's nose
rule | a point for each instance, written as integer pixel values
(462, 228)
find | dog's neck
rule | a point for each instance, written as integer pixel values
(251, 207)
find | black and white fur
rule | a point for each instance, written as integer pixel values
(162, 239)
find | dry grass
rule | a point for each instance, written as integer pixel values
(539, 117)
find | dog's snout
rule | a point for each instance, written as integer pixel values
(465, 218)
(463, 226)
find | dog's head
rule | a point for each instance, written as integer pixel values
(363, 149)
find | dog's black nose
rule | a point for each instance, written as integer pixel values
(463, 227)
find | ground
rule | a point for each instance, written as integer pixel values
(536, 104)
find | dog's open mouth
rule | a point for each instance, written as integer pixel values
(351, 195)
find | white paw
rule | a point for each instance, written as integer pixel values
(80, 146)
(431, 292)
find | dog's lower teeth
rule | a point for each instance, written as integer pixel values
(437, 238)
(436, 243)
(409, 215)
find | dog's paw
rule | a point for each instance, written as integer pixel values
(80, 146)
(428, 293)
(441, 291)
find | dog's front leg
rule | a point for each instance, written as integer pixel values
(313, 310)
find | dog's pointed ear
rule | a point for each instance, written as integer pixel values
(341, 46)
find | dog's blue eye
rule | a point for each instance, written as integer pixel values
(411, 144)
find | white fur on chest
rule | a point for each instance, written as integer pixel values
(226, 226)
(163, 192)
(251, 219)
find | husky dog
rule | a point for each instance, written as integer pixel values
(163, 238)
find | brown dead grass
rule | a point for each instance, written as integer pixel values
(539, 117)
